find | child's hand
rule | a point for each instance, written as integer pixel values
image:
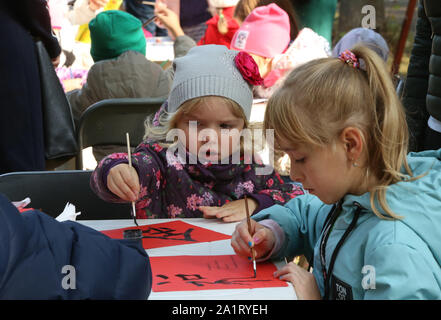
(231, 211)
(261, 238)
(303, 281)
(123, 181)
(169, 19)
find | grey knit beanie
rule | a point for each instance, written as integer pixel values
(367, 37)
(209, 70)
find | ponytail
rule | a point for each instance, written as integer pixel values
(222, 23)
(389, 133)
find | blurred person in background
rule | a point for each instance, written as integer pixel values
(368, 37)
(422, 90)
(21, 122)
(276, 56)
(144, 12)
(244, 7)
(222, 27)
(317, 15)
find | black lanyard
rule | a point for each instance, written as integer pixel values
(327, 231)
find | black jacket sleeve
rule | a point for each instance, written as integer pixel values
(33, 15)
(415, 89)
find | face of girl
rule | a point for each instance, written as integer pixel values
(212, 131)
(323, 171)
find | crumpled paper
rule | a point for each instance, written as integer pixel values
(21, 204)
(68, 213)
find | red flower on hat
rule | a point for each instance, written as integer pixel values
(248, 68)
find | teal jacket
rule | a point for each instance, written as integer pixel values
(379, 259)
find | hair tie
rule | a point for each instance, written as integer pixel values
(350, 58)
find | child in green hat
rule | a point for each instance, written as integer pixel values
(121, 70)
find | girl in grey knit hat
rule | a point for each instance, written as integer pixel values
(203, 170)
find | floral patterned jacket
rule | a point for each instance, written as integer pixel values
(171, 189)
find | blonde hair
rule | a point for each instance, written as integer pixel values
(222, 23)
(169, 120)
(243, 9)
(321, 98)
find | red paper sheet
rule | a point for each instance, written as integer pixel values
(188, 273)
(170, 233)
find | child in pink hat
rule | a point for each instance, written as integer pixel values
(265, 32)
(265, 35)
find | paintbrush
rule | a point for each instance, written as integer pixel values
(253, 252)
(129, 152)
(148, 21)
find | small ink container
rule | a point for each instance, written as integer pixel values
(133, 234)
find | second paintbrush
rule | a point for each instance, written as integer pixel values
(253, 252)
(129, 155)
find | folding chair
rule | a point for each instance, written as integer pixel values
(106, 122)
(49, 192)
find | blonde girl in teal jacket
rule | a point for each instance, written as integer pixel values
(370, 225)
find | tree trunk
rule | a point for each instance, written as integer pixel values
(351, 15)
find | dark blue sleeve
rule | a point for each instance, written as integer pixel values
(34, 249)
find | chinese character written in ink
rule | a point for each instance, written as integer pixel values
(193, 279)
(240, 281)
(198, 280)
(168, 234)
(163, 277)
